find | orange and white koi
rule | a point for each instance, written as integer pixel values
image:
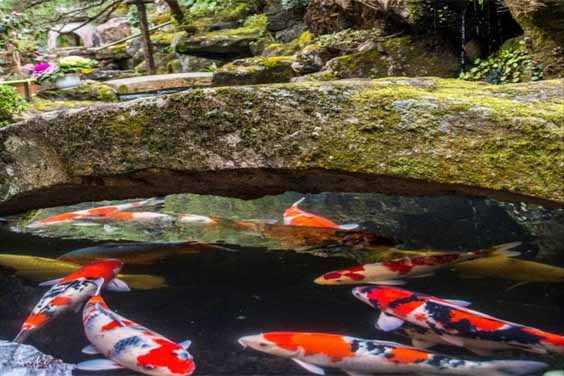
(361, 357)
(294, 216)
(390, 272)
(126, 344)
(70, 292)
(93, 212)
(455, 324)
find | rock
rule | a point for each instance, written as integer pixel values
(87, 91)
(423, 136)
(541, 21)
(145, 84)
(255, 70)
(190, 63)
(105, 75)
(402, 56)
(224, 43)
(288, 49)
(113, 30)
(286, 24)
(25, 360)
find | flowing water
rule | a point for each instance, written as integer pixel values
(264, 280)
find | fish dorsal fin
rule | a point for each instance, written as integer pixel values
(297, 203)
(388, 323)
(461, 303)
(90, 350)
(50, 283)
(310, 367)
(98, 365)
(185, 344)
(117, 285)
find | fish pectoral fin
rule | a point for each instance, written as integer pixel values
(455, 341)
(90, 350)
(185, 344)
(50, 283)
(117, 285)
(349, 226)
(310, 367)
(354, 373)
(462, 303)
(98, 365)
(390, 282)
(388, 323)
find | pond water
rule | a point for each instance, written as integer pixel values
(264, 280)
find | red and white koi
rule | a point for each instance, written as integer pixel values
(93, 212)
(294, 216)
(361, 357)
(453, 323)
(127, 344)
(391, 272)
(70, 292)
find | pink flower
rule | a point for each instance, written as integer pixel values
(43, 68)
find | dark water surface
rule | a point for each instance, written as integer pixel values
(216, 297)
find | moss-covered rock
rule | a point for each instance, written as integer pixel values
(401, 56)
(542, 21)
(291, 48)
(87, 91)
(228, 42)
(402, 136)
(256, 70)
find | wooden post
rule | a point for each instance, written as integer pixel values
(144, 26)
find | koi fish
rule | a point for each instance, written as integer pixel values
(93, 212)
(127, 344)
(389, 272)
(138, 253)
(70, 292)
(139, 217)
(455, 324)
(196, 219)
(41, 268)
(294, 216)
(361, 357)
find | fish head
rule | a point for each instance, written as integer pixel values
(380, 297)
(270, 343)
(166, 359)
(342, 277)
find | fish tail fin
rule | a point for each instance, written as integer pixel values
(511, 367)
(505, 249)
(297, 203)
(22, 336)
(99, 284)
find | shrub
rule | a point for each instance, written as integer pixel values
(10, 104)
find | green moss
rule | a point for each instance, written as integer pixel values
(44, 105)
(288, 49)
(87, 91)
(165, 39)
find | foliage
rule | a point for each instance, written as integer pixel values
(66, 65)
(10, 104)
(198, 6)
(133, 16)
(512, 63)
(291, 4)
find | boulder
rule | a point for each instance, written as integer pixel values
(113, 30)
(224, 43)
(87, 91)
(542, 22)
(401, 56)
(256, 70)
(423, 136)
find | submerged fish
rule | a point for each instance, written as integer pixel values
(501, 266)
(138, 253)
(197, 219)
(139, 217)
(360, 357)
(40, 269)
(455, 324)
(294, 216)
(70, 292)
(127, 344)
(389, 272)
(93, 212)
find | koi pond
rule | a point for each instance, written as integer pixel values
(214, 270)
